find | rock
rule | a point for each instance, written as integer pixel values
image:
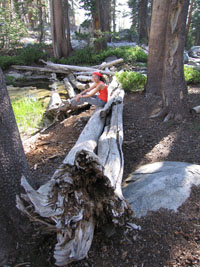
(194, 51)
(109, 59)
(160, 185)
(15, 75)
(186, 57)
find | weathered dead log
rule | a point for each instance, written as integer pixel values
(69, 88)
(78, 85)
(43, 69)
(196, 109)
(71, 68)
(84, 190)
(109, 64)
(84, 78)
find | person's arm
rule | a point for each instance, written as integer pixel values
(88, 90)
(99, 87)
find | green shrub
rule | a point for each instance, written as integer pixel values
(24, 56)
(192, 76)
(132, 81)
(28, 114)
(88, 56)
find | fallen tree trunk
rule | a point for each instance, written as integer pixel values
(28, 68)
(77, 84)
(109, 64)
(62, 67)
(69, 88)
(85, 189)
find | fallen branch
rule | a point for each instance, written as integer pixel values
(86, 189)
(69, 88)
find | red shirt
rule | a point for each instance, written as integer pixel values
(103, 93)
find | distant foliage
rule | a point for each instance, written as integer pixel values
(11, 28)
(24, 56)
(132, 81)
(192, 76)
(88, 56)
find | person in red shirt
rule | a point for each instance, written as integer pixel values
(89, 95)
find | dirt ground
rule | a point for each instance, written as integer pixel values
(166, 238)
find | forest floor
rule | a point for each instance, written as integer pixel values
(166, 238)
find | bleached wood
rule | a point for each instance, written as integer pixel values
(84, 185)
(43, 69)
(109, 64)
(69, 88)
(84, 78)
(77, 84)
(74, 68)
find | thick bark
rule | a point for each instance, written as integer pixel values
(189, 20)
(157, 47)
(169, 78)
(101, 22)
(13, 165)
(41, 23)
(143, 21)
(60, 45)
(173, 81)
(67, 23)
(114, 15)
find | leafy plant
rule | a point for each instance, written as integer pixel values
(132, 81)
(24, 56)
(192, 76)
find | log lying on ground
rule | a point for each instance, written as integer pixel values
(62, 67)
(109, 64)
(85, 189)
(69, 88)
(38, 69)
(77, 84)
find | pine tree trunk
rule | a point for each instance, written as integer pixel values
(173, 81)
(170, 78)
(143, 21)
(60, 47)
(13, 165)
(157, 47)
(189, 20)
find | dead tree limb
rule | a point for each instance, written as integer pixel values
(85, 190)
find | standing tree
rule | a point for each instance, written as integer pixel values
(60, 43)
(165, 62)
(101, 23)
(100, 11)
(13, 165)
(143, 20)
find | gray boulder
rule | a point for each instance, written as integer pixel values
(194, 51)
(160, 185)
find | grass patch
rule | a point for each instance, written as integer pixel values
(28, 114)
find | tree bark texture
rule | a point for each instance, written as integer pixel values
(189, 19)
(101, 22)
(60, 45)
(173, 82)
(143, 20)
(86, 189)
(168, 80)
(157, 47)
(13, 165)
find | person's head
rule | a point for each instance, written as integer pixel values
(97, 76)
